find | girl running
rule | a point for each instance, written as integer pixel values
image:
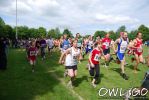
(71, 62)
(94, 68)
(32, 55)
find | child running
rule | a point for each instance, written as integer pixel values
(94, 67)
(32, 55)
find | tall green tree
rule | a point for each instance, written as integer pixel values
(8, 30)
(121, 29)
(58, 33)
(2, 25)
(52, 33)
(132, 34)
(42, 31)
(112, 35)
(145, 32)
(99, 33)
(66, 31)
(34, 33)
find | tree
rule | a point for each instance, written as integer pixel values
(99, 33)
(121, 29)
(132, 34)
(52, 33)
(34, 33)
(66, 31)
(42, 31)
(58, 33)
(23, 32)
(2, 24)
(8, 31)
(145, 32)
(112, 35)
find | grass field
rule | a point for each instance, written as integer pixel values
(47, 82)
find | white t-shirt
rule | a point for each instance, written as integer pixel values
(90, 44)
(68, 60)
(50, 43)
(71, 59)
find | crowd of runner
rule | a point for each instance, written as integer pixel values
(73, 51)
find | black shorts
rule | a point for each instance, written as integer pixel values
(79, 48)
(72, 67)
(50, 48)
(106, 51)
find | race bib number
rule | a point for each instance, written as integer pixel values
(139, 49)
(79, 44)
(122, 49)
(74, 57)
(96, 58)
(107, 44)
(65, 47)
(32, 53)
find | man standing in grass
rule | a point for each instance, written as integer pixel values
(3, 57)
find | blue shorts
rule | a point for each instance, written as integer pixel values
(120, 56)
(88, 50)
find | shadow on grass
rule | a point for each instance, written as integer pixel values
(19, 83)
(87, 79)
(132, 67)
(80, 80)
(118, 70)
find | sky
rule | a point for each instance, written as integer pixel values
(83, 16)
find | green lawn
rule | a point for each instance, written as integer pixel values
(47, 82)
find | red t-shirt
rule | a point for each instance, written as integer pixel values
(32, 53)
(95, 55)
(105, 43)
(138, 45)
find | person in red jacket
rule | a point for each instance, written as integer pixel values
(94, 68)
(32, 55)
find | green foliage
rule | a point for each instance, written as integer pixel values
(121, 29)
(26, 32)
(112, 35)
(42, 31)
(145, 32)
(34, 33)
(99, 33)
(132, 34)
(54, 33)
(66, 31)
(2, 23)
